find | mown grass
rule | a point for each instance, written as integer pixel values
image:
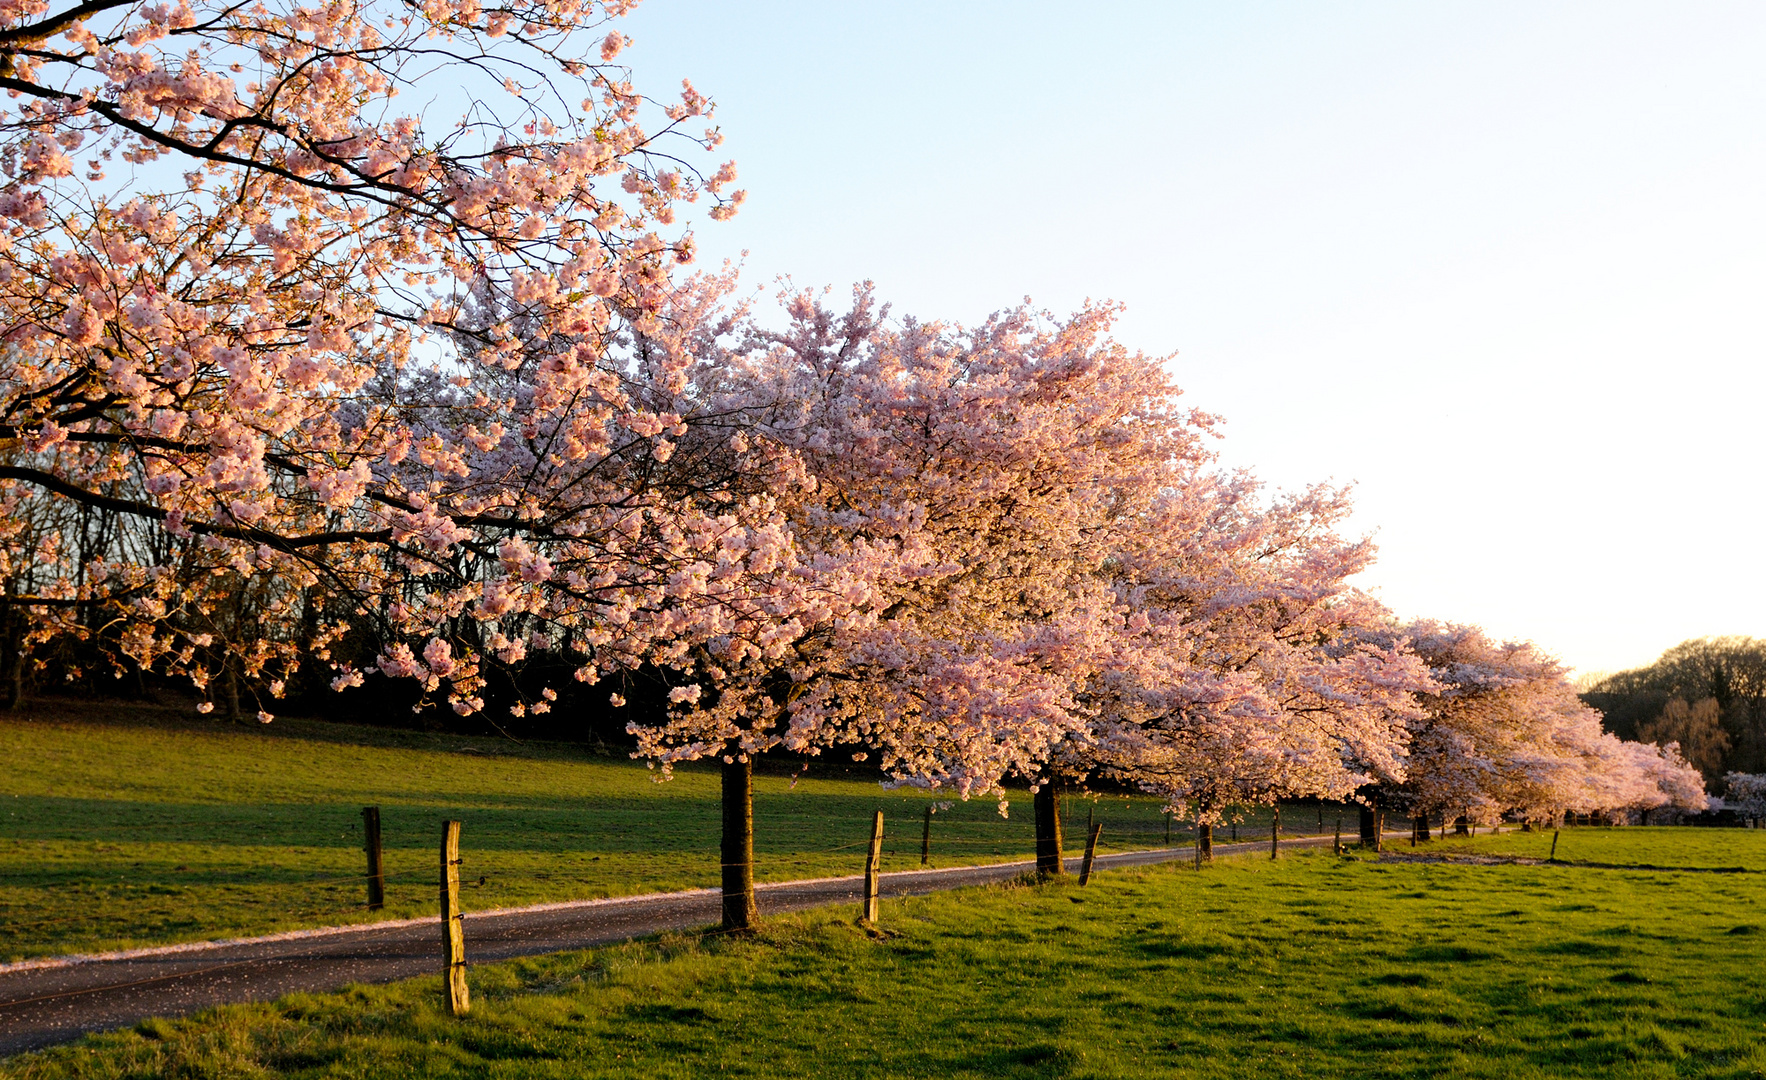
(1635, 845)
(1308, 967)
(130, 825)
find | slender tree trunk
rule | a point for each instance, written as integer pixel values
(12, 659)
(739, 909)
(1205, 842)
(1048, 830)
(229, 690)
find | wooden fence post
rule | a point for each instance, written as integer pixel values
(1091, 850)
(873, 861)
(453, 922)
(926, 838)
(376, 868)
(1275, 832)
(1554, 847)
(1337, 845)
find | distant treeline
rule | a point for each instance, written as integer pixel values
(1708, 694)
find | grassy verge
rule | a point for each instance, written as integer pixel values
(131, 825)
(1308, 967)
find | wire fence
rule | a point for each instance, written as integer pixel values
(97, 905)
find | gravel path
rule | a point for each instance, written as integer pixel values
(43, 1002)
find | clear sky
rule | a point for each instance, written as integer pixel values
(1502, 265)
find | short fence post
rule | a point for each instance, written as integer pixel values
(376, 868)
(1380, 830)
(453, 922)
(1275, 832)
(1554, 847)
(873, 859)
(926, 838)
(1091, 850)
(1337, 845)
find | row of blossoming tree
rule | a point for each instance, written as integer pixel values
(284, 364)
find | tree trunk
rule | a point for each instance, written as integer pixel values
(12, 659)
(1204, 842)
(738, 845)
(1370, 829)
(1047, 804)
(229, 691)
(1461, 825)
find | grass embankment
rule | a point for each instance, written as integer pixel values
(1309, 967)
(131, 825)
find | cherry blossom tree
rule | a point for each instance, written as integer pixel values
(961, 488)
(324, 363)
(1504, 730)
(1248, 678)
(1747, 793)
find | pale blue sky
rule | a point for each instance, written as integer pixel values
(1501, 264)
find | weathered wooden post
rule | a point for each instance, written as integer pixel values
(1337, 845)
(1091, 851)
(926, 838)
(453, 922)
(1275, 832)
(873, 862)
(376, 868)
(1554, 847)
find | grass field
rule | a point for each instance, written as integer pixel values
(132, 825)
(1685, 847)
(1307, 967)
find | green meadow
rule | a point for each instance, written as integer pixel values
(133, 825)
(1310, 966)
(1690, 848)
